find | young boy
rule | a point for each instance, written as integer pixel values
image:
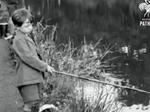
(30, 69)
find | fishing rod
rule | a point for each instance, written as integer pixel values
(98, 81)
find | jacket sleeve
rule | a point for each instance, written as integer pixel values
(28, 57)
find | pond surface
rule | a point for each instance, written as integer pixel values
(117, 26)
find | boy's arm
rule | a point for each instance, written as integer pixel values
(28, 57)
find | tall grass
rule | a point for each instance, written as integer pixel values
(88, 60)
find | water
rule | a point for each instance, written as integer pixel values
(118, 26)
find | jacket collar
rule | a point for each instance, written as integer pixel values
(25, 36)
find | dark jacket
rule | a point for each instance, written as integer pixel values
(30, 66)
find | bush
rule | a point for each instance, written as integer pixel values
(70, 94)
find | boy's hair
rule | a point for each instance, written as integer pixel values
(20, 16)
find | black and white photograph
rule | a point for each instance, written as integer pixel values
(74, 55)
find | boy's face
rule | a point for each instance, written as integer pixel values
(26, 27)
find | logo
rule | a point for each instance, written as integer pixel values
(145, 6)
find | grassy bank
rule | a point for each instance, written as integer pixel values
(89, 60)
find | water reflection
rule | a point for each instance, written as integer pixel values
(118, 26)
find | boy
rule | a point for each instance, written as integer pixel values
(30, 69)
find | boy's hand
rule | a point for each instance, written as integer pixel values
(50, 69)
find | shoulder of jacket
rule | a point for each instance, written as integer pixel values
(18, 36)
(18, 40)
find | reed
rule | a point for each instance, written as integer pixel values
(71, 94)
